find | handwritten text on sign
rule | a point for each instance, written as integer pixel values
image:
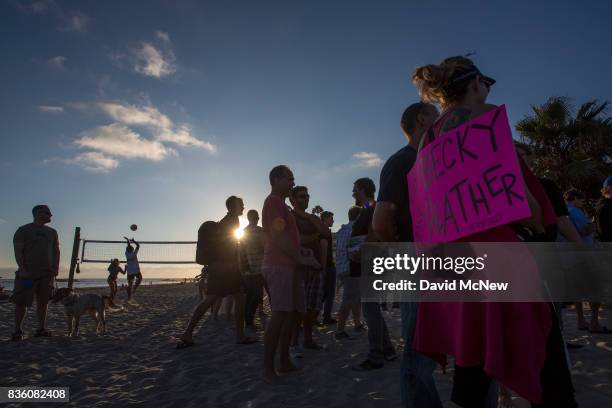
(467, 180)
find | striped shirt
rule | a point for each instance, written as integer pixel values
(253, 249)
(342, 240)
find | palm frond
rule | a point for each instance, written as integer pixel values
(591, 110)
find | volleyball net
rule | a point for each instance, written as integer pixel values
(150, 252)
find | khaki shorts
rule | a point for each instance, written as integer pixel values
(41, 288)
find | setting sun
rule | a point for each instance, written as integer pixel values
(238, 233)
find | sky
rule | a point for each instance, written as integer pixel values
(154, 112)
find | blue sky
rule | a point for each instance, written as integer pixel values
(154, 112)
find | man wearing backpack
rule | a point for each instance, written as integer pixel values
(218, 249)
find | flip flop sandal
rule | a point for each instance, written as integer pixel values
(182, 344)
(43, 333)
(17, 336)
(248, 340)
(601, 330)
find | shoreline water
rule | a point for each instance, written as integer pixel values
(8, 284)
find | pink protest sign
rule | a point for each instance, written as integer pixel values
(467, 180)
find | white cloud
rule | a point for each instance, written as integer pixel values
(51, 109)
(162, 36)
(95, 161)
(153, 58)
(76, 22)
(118, 140)
(137, 132)
(70, 21)
(367, 159)
(147, 116)
(154, 62)
(161, 126)
(57, 62)
(182, 136)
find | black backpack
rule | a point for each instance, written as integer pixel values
(208, 241)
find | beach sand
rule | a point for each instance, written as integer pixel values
(136, 361)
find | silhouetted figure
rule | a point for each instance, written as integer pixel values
(37, 254)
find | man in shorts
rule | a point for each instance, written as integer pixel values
(37, 254)
(132, 267)
(224, 277)
(252, 247)
(351, 295)
(313, 236)
(329, 277)
(283, 255)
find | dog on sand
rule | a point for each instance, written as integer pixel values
(77, 305)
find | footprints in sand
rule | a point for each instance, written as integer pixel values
(65, 370)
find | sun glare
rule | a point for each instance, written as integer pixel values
(238, 233)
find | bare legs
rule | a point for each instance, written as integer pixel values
(582, 324)
(138, 281)
(278, 335)
(129, 288)
(113, 289)
(203, 306)
(216, 307)
(310, 317)
(41, 313)
(343, 315)
(238, 302)
(20, 312)
(196, 316)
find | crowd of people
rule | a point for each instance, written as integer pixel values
(290, 260)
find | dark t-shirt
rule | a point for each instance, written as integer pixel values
(330, 251)
(39, 248)
(554, 195)
(394, 188)
(603, 216)
(361, 226)
(306, 227)
(228, 245)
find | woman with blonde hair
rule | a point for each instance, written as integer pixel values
(519, 345)
(113, 270)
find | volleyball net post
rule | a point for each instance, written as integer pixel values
(75, 254)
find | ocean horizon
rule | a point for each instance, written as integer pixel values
(8, 284)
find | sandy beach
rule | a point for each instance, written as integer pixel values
(136, 361)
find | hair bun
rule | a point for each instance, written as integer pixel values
(433, 79)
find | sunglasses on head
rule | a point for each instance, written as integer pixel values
(474, 72)
(488, 82)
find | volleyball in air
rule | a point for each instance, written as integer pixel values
(133, 227)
